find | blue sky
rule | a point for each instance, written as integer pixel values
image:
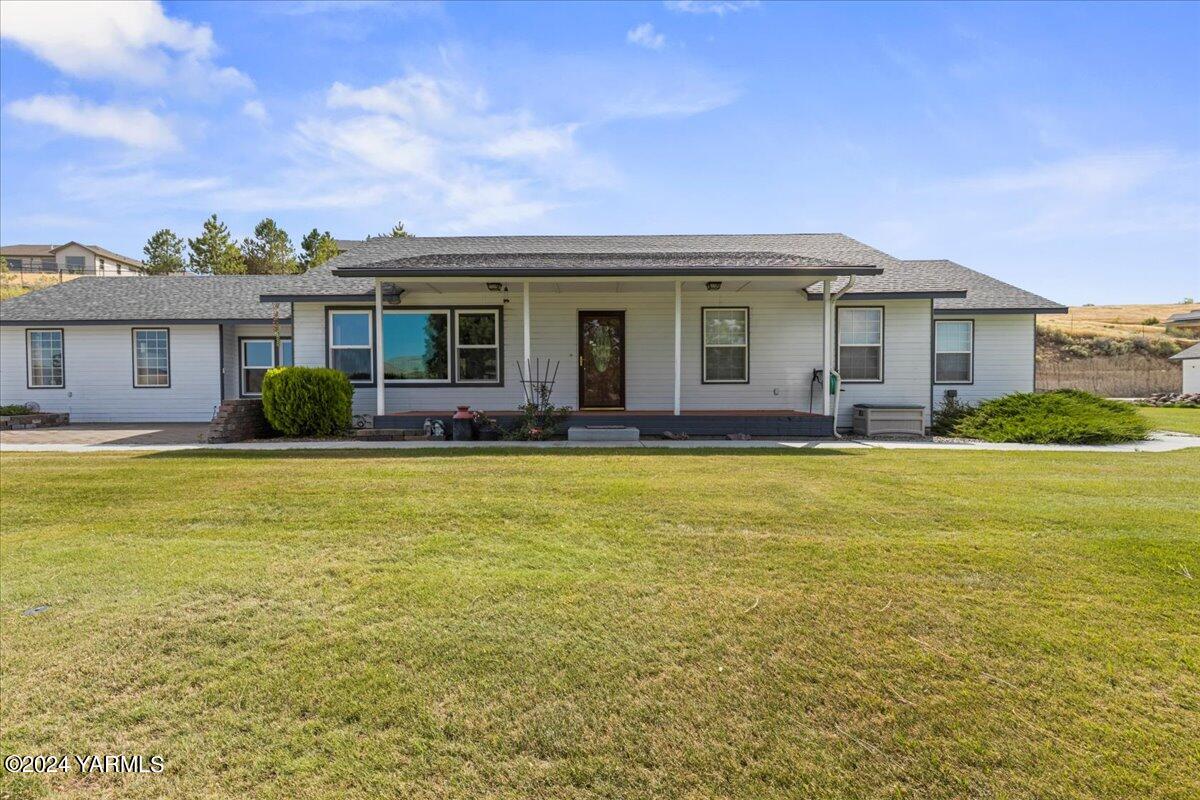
(1055, 146)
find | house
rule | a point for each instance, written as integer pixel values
(701, 333)
(1184, 320)
(71, 258)
(1190, 361)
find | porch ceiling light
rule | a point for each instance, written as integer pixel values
(493, 286)
(713, 286)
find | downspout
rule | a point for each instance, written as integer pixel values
(834, 377)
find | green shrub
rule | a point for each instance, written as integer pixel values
(307, 401)
(1066, 416)
(948, 415)
(13, 410)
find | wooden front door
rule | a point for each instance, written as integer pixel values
(601, 359)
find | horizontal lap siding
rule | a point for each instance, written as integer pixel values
(233, 354)
(906, 370)
(1003, 358)
(99, 375)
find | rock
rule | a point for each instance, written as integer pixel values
(738, 437)
(675, 437)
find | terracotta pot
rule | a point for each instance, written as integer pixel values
(464, 412)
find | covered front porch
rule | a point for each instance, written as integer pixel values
(701, 354)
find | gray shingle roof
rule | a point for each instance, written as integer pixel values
(1188, 354)
(983, 292)
(1184, 316)
(580, 254)
(176, 297)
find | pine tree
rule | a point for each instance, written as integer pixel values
(397, 232)
(164, 253)
(270, 251)
(317, 248)
(214, 252)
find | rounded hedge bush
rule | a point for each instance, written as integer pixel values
(307, 401)
(1065, 416)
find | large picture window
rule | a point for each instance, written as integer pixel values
(953, 346)
(420, 345)
(151, 358)
(416, 346)
(351, 336)
(478, 344)
(726, 345)
(860, 344)
(44, 358)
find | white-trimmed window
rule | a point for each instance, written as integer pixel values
(726, 345)
(151, 358)
(351, 335)
(257, 356)
(860, 344)
(416, 346)
(44, 358)
(953, 351)
(477, 339)
(285, 353)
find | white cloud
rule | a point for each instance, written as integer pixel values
(255, 110)
(644, 35)
(718, 7)
(438, 141)
(131, 42)
(136, 127)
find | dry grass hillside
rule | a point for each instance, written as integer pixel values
(15, 284)
(1118, 322)
(1116, 351)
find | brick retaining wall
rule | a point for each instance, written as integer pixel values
(238, 420)
(16, 422)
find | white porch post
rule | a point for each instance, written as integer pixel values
(826, 345)
(525, 323)
(678, 338)
(378, 347)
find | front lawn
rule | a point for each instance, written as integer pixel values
(923, 624)
(1181, 420)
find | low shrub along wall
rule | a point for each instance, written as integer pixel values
(1066, 416)
(307, 401)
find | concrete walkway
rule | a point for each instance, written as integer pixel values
(160, 438)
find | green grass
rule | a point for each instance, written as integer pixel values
(1181, 420)
(1064, 416)
(922, 624)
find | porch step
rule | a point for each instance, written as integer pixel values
(603, 433)
(390, 434)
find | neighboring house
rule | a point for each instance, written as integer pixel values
(1185, 320)
(71, 258)
(687, 333)
(1190, 361)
